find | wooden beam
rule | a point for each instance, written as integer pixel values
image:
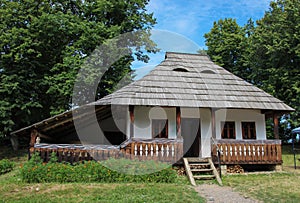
(71, 118)
(189, 172)
(82, 123)
(45, 136)
(213, 122)
(131, 115)
(178, 122)
(276, 125)
(33, 136)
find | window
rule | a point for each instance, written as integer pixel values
(228, 130)
(248, 130)
(160, 128)
(180, 70)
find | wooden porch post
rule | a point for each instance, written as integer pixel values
(131, 115)
(213, 122)
(276, 128)
(178, 122)
(33, 135)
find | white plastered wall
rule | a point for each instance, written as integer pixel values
(143, 116)
(239, 116)
(142, 121)
(206, 132)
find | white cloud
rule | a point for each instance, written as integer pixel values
(167, 42)
(193, 18)
(189, 20)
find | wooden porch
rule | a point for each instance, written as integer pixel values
(164, 150)
(247, 151)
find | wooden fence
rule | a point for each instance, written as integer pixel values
(247, 151)
(165, 150)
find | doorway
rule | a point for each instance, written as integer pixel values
(190, 131)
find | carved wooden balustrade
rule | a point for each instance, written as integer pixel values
(247, 151)
(74, 152)
(165, 150)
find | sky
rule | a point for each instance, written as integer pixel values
(181, 24)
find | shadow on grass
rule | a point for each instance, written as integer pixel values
(7, 152)
(288, 159)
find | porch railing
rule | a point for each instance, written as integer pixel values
(74, 153)
(247, 151)
(165, 150)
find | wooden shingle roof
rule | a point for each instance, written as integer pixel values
(193, 80)
(185, 80)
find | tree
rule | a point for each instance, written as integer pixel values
(275, 54)
(266, 55)
(44, 43)
(226, 43)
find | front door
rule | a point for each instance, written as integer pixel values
(190, 131)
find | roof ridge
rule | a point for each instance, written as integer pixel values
(182, 53)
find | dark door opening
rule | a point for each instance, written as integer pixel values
(190, 131)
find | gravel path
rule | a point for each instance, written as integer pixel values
(217, 194)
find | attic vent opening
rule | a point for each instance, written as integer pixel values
(208, 72)
(180, 70)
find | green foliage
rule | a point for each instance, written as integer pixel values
(34, 171)
(275, 54)
(266, 55)
(43, 45)
(6, 166)
(227, 43)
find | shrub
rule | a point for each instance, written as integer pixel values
(6, 166)
(112, 170)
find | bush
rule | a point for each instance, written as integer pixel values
(6, 166)
(112, 170)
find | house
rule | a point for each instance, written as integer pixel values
(186, 106)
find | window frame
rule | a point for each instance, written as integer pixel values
(225, 127)
(163, 131)
(246, 127)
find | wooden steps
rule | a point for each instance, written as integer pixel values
(200, 169)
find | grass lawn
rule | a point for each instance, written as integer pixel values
(272, 187)
(12, 189)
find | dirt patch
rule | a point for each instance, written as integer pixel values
(55, 188)
(216, 194)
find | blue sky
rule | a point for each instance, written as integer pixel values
(189, 20)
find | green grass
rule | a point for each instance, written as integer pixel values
(288, 159)
(14, 190)
(272, 187)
